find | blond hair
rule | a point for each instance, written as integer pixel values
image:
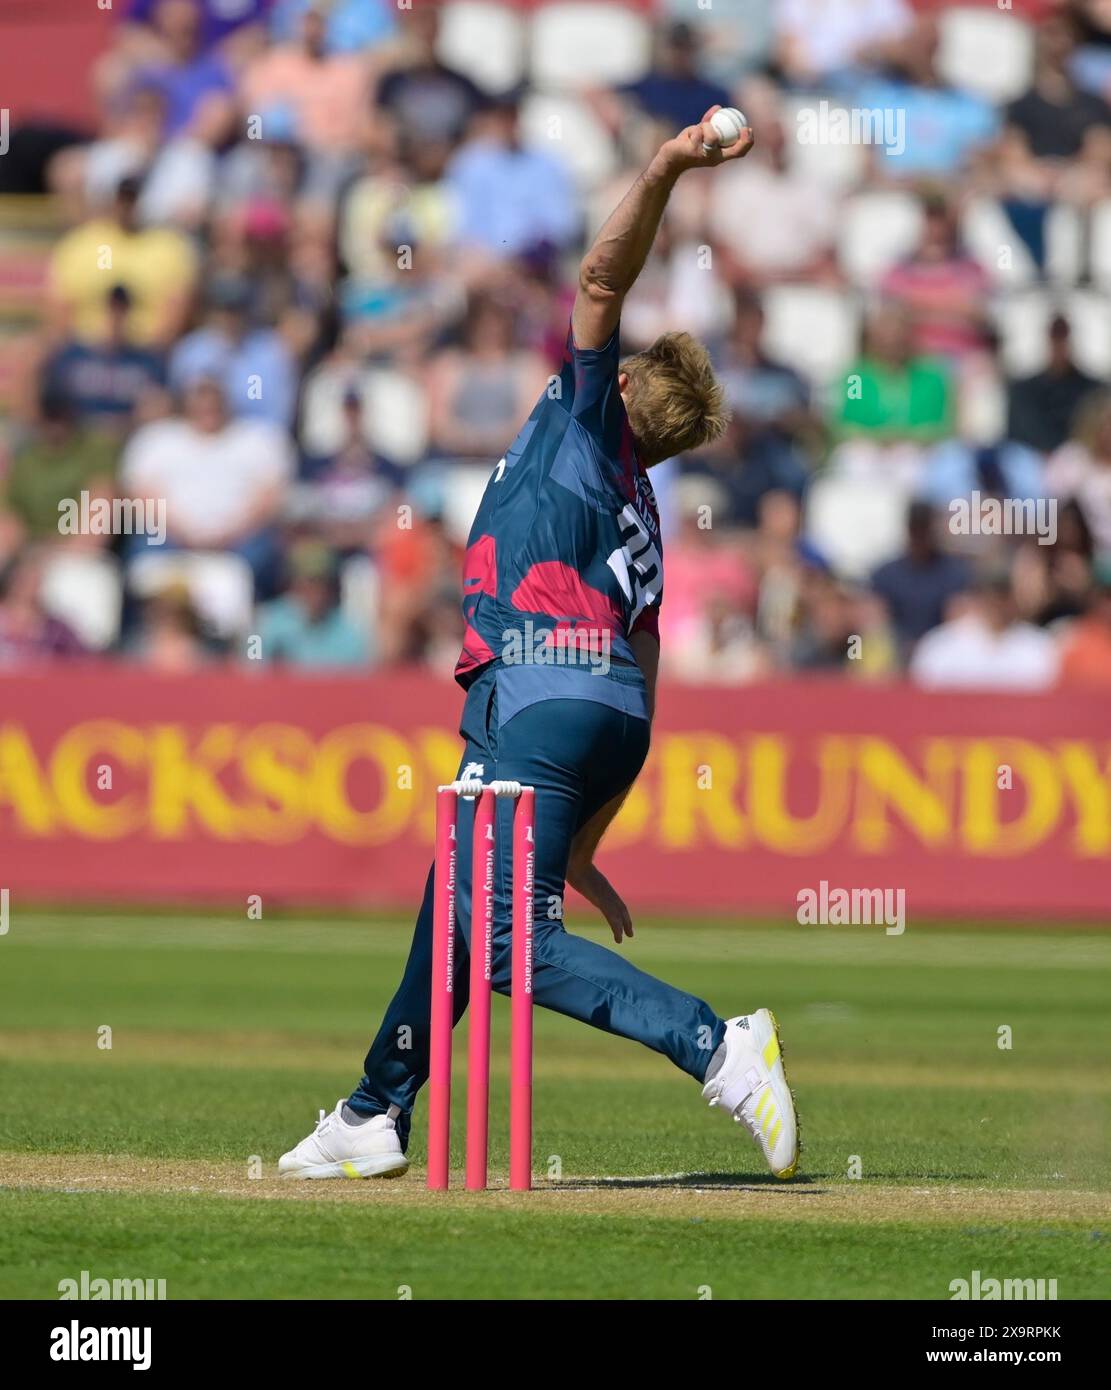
(673, 400)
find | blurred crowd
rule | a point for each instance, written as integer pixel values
(315, 266)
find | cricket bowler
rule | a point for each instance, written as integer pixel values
(565, 554)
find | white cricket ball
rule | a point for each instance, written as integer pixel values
(728, 122)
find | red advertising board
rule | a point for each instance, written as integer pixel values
(119, 785)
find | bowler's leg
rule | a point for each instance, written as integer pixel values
(572, 751)
(397, 1064)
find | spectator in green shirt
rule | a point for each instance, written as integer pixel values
(58, 461)
(890, 395)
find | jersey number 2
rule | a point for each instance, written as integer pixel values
(638, 563)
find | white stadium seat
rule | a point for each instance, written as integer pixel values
(84, 590)
(1023, 322)
(564, 126)
(586, 45)
(485, 41)
(838, 167)
(1101, 244)
(359, 587)
(981, 403)
(857, 524)
(1090, 315)
(1064, 236)
(875, 232)
(815, 330)
(394, 404)
(987, 52)
(987, 234)
(221, 586)
(462, 487)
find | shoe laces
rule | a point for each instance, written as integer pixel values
(324, 1124)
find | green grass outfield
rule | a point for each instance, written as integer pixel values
(227, 1037)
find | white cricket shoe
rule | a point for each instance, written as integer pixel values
(336, 1149)
(751, 1085)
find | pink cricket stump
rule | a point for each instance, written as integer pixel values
(520, 1052)
(482, 958)
(443, 987)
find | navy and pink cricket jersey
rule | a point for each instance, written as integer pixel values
(564, 560)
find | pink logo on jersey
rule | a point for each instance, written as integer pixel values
(480, 568)
(560, 593)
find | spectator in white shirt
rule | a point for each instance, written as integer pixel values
(223, 480)
(771, 225)
(820, 38)
(987, 647)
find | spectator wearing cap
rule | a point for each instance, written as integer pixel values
(1086, 656)
(1042, 409)
(918, 586)
(105, 383)
(510, 198)
(306, 627)
(155, 265)
(987, 646)
(257, 368)
(224, 480)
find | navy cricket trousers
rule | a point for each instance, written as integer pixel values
(578, 754)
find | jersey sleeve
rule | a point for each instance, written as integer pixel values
(591, 392)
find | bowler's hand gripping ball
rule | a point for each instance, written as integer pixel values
(729, 123)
